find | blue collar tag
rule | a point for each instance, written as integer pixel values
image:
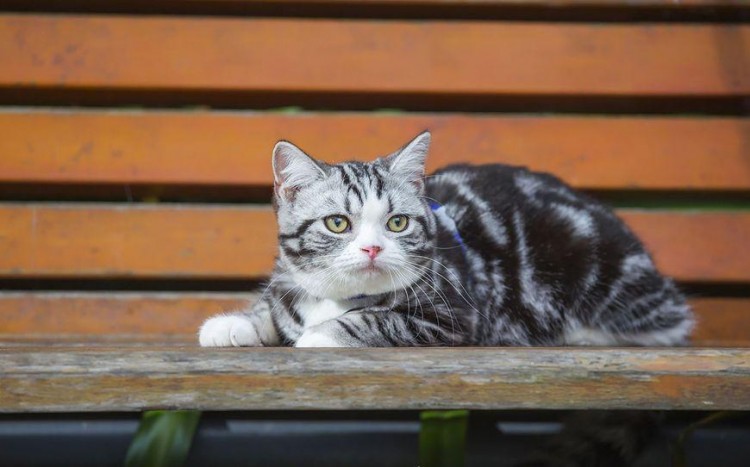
(447, 221)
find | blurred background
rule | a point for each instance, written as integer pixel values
(135, 175)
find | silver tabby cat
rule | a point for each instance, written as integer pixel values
(378, 254)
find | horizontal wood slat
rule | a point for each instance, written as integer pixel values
(137, 241)
(234, 148)
(175, 317)
(695, 246)
(129, 379)
(391, 57)
(131, 242)
(92, 317)
(420, 3)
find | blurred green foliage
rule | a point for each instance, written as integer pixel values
(442, 438)
(163, 438)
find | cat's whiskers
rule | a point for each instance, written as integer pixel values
(441, 296)
(416, 295)
(417, 300)
(463, 293)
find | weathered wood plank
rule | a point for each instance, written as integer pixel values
(162, 318)
(234, 148)
(127, 379)
(324, 56)
(171, 241)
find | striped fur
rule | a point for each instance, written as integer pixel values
(540, 263)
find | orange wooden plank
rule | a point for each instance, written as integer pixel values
(236, 242)
(121, 316)
(722, 322)
(175, 317)
(696, 246)
(396, 57)
(122, 241)
(234, 148)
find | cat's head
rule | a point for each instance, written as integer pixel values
(353, 228)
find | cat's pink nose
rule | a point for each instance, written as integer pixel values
(372, 251)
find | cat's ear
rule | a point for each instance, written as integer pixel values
(409, 161)
(292, 169)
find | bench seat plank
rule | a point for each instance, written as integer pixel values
(128, 379)
(161, 318)
(236, 242)
(110, 53)
(98, 147)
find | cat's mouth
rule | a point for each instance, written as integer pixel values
(371, 268)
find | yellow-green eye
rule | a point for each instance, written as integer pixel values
(398, 223)
(337, 224)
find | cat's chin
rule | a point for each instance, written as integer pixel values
(366, 281)
(371, 270)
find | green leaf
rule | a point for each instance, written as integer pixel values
(163, 438)
(442, 438)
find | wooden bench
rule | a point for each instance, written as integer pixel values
(135, 181)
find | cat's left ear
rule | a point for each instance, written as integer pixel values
(410, 160)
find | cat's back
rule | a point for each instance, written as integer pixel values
(506, 192)
(502, 183)
(512, 209)
(553, 249)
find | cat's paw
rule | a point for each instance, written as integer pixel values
(317, 339)
(228, 331)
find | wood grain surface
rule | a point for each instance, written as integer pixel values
(103, 53)
(236, 242)
(222, 148)
(59, 318)
(131, 379)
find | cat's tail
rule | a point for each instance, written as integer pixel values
(599, 439)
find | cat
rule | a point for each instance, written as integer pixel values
(379, 254)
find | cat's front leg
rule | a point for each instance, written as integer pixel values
(377, 327)
(250, 328)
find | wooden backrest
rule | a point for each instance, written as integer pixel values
(135, 148)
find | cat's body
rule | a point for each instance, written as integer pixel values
(488, 255)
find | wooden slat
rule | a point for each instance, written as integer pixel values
(27, 317)
(722, 322)
(391, 57)
(124, 317)
(129, 242)
(699, 246)
(234, 148)
(79, 4)
(128, 379)
(121, 241)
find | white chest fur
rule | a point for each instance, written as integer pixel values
(315, 311)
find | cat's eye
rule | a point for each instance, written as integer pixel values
(397, 223)
(337, 224)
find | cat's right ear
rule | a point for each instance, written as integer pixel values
(292, 169)
(408, 162)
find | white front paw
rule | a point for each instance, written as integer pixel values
(317, 339)
(228, 331)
